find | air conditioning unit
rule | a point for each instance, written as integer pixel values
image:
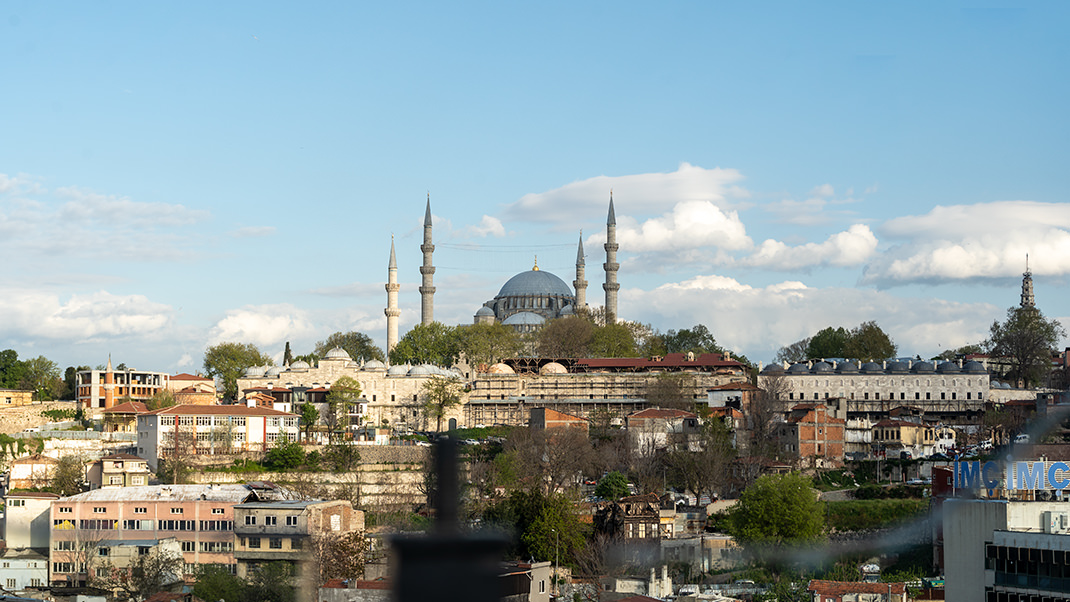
(1055, 522)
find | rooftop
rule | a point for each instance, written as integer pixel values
(204, 410)
(174, 493)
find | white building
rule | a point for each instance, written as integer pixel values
(200, 429)
(26, 533)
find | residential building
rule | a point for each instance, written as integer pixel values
(23, 568)
(654, 429)
(635, 517)
(813, 436)
(192, 389)
(118, 470)
(15, 397)
(30, 472)
(526, 582)
(212, 429)
(549, 418)
(110, 556)
(97, 390)
(856, 591)
(26, 522)
(199, 517)
(123, 417)
(894, 438)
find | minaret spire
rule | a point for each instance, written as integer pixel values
(611, 266)
(392, 311)
(427, 288)
(1027, 287)
(580, 283)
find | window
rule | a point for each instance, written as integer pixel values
(176, 511)
(271, 520)
(35, 583)
(137, 480)
(254, 542)
(63, 546)
(102, 572)
(99, 509)
(217, 525)
(98, 524)
(275, 543)
(103, 551)
(217, 511)
(62, 567)
(12, 503)
(137, 525)
(115, 480)
(204, 421)
(189, 546)
(142, 550)
(250, 519)
(217, 547)
(273, 422)
(295, 544)
(140, 510)
(62, 509)
(291, 521)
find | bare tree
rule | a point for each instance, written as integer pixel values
(340, 555)
(179, 447)
(549, 459)
(148, 574)
(764, 411)
(672, 390)
(707, 470)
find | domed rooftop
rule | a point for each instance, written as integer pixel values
(799, 368)
(535, 282)
(923, 368)
(553, 368)
(272, 371)
(948, 368)
(524, 317)
(847, 367)
(898, 367)
(485, 311)
(974, 367)
(374, 366)
(398, 370)
(337, 354)
(255, 371)
(500, 368)
(568, 310)
(299, 365)
(822, 367)
(420, 370)
(872, 368)
(773, 368)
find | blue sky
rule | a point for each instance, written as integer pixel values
(176, 175)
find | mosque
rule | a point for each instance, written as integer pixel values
(525, 302)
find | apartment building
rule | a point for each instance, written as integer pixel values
(96, 390)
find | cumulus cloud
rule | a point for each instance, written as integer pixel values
(852, 247)
(687, 225)
(185, 361)
(263, 325)
(94, 208)
(824, 190)
(19, 184)
(487, 226)
(36, 314)
(757, 321)
(638, 194)
(974, 242)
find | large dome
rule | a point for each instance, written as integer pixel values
(535, 282)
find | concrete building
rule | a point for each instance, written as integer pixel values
(655, 429)
(197, 429)
(900, 438)
(118, 470)
(30, 472)
(199, 517)
(96, 390)
(123, 417)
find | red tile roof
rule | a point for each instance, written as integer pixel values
(186, 376)
(130, 407)
(662, 413)
(840, 588)
(743, 386)
(228, 410)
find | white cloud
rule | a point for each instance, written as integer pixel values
(824, 190)
(185, 361)
(254, 231)
(37, 314)
(981, 241)
(852, 247)
(689, 225)
(639, 194)
(802, 213)
(488, 226)
(263, 325)
(757, 321)
(95, 208)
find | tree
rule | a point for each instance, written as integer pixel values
(358, 345)
(42, 376)
(342, 398)
(867, 342)
(671, 390)
(287, 355)
(953, 354)
(546, 525)
(148, 574)
(68, 476)
(309, 416)
(613, 340)
(214, 582)
(433, 343)
(778, 510)
(440, 394)
(340, 555)
(271, 582)
(11, 369)
(489, 343)
(613, 486)
(342, 456)
(70, 377)
(707, 470)
(796, 352)
(763, 412)
(547, 459)
(568, 337)
(828, 342)
(228, 361)
(1026, 339)
(162, 398)
(286, 455)
(696, 339)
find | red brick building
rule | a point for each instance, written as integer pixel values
(813, 435)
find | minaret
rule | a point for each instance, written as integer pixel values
(427, 288)
(611, 266)
(109, 385)
(392, 312)
(579, 283)
(1027, 287)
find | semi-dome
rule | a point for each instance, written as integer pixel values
(948, 368)
(799, 368)
(822, 367)
(525, 318)
(337, 354)
(535, 282)
(484, 311)
(872, 368)
(420, 370)
(553, 368)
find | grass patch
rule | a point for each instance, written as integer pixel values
(858, 515)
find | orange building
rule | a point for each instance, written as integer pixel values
(97, 390)
(812, 434)
(546, 418)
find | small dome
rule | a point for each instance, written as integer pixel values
(847, 367)
(272, 371)
(822, 367)
(485, 312)
(500, 368)
(800, 368)
(398, 370)
(374, 366)
(299, 365)
(524, 318)
(420, 370)
(898, 367)
(923, 368)
(255, 371)
(948, 368)
(872, 368)
(773, 368)
(553, 368)
(974, 367)
(337, 354)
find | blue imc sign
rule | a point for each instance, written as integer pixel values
(1011, 475)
